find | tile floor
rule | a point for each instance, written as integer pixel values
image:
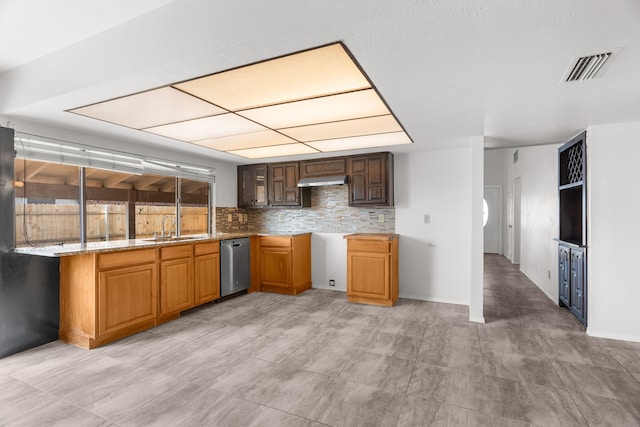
(315, 359)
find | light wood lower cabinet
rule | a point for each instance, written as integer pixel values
(206, 272)
(176, 279)
(285, 264)
(372, 268)
(107, 296)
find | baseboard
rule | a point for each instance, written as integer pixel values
(621, 337)
(328, 288)
(424, 298)
(476, 319)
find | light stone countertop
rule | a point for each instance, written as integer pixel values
(130, 244)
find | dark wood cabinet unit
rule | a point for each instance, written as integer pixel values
(252, 186)
(283, 186)
(369, 176)
(371, 180)
(323, 167)
(572, 247)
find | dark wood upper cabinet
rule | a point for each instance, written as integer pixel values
(371, 180)
(283, 185)
(323, 167)
(252, 186)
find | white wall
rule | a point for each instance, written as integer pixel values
(537, 169)
(329, 261)
(435, 259)
(613, 231)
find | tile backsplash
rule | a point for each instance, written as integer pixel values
(329, 213)
(231, 220)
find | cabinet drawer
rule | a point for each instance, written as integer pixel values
(275, 241)
(207, 248)
(126, 258)
(182, 251)
(369, 246)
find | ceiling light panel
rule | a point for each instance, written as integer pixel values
(345, 106)
(347, 128)
(275, 151)
(317, 72)
(369, 141)
(206, 128)
(151, 108)
(247, 140)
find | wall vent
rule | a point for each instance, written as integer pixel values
(588, 67)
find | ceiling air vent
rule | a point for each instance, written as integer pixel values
(588, 67)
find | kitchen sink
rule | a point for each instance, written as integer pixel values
(171, 238)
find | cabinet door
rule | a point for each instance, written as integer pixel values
(578, 291)
(564, 281)
(207, 278)
(126, 296)
(176, 285)
(252, 185)
(283, 184)
(369, 180)
(276, 267)
(368, 275)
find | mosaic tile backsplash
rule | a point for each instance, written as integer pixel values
(231, 220)
(329, 213)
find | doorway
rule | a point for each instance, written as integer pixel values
(493, 219)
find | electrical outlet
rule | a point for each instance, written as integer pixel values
(332, 282)
(427, 218)
(281, 217)
(229, 218)
(380, 217)
(549, 273)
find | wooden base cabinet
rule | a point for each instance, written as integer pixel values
(372, 268)
(285, 264)
(107, 296)
(206, 268)
(176, 279)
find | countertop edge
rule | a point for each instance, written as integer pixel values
(133, 244)
(372, 236)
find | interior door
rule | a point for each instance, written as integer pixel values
(493, 219)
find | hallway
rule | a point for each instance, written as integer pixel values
(545, 368)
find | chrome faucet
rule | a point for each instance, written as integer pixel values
(172, 220)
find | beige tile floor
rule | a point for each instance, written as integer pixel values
(315, 359)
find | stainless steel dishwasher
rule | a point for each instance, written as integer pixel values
(234, 266)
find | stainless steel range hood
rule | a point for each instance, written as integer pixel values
(323, 180)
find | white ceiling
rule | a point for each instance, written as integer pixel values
(449, 69)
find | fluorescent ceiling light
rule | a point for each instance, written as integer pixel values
(345, 106)
(346, 128)
(246, 140)
(356, 142)
(205, 128)
(319, 95)
(274, 151)
(151, 108)
(323, 71)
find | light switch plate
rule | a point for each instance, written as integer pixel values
(229, 218)
(427, 218)
(380, 217)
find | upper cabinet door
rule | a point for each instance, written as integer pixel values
(252, 186)
(371, 180)
(283, 184)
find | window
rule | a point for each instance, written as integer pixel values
(47, 203)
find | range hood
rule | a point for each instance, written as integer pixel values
(323, 180)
